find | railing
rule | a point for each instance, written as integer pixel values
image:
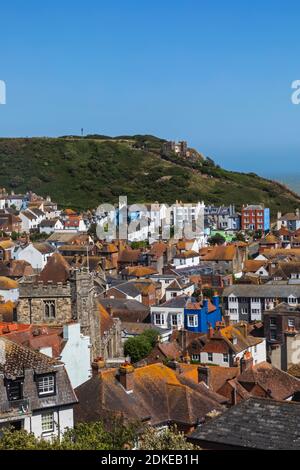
(15, 407)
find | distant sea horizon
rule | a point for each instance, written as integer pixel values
(290, 180)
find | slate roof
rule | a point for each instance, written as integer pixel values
(175, 302)
(128, 310)
(256, 423)
(265, 290)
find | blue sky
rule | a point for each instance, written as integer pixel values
(217, 74)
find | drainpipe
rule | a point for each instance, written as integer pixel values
(30, 311)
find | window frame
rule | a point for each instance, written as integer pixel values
(52, 422)
(51, 389)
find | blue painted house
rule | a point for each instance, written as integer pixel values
(199, 316)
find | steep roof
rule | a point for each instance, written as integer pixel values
(56, 270)
(43, 248)
(159, 395)
(220, 253)
(279, 384)
(14, 359)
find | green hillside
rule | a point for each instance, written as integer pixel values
(83, 172)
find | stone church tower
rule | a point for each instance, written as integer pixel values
(60, 295)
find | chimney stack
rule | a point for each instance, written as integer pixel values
(126, 376)
(204, 375)
(246, 362)
(97, 364)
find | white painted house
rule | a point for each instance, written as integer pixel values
(169, 315)
(49, 226)
(29, 221)
(76, 354)
(36, 254)
(186, 259)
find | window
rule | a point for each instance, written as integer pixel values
(210, 357)
(14, 390)
(255, 349)
(46, 385)
(174, 320)
(49, 308)
(196, 357)
(291, 322)
(255, 300)
(255, 310)
(47, 422)
(192, 321)
(225, 358)
(233, 310)
(158, 319)
(292, 300)
(273, 335)
(273, 321)
(244, 310)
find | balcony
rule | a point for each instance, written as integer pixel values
(15, 408)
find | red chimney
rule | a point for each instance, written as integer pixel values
(246, 362)
(126, 376)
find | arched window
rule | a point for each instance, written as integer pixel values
(49, 309)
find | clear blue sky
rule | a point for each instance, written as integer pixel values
(217, 74)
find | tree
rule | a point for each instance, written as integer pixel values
(137, 348)
(240, 237)
(151, 335)
(216, 239)
(84, 436)
(168, 439)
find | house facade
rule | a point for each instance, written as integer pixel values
(255, 217)
(35, 392)
(248, 302)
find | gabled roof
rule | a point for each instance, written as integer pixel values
(159, 395)
(56, 270)
(129, 256)
(220, 253)
(277, 383)
(187, 254)
(16, 358)
(44, 248)
(29, 215)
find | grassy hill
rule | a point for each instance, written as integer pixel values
(83, 172)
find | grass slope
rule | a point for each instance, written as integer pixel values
(81, 173)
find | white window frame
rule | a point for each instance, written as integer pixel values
(46, 385)
(47, 422)
(210, 357)
(195, 321)
(226, 358)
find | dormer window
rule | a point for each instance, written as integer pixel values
(14, 390)
(46, 385)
